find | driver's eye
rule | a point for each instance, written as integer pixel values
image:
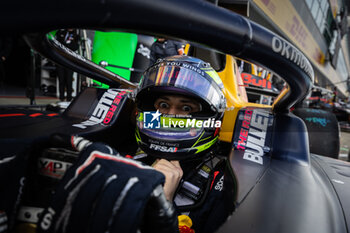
(163, 105)
(186, 108)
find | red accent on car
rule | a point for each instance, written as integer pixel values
(52, 114)
(35, 114)
(212, 182)
(12, 114)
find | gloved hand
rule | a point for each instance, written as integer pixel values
(173, 174)
(103, 192)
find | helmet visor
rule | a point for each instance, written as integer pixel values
(190, 78)
(171, 128)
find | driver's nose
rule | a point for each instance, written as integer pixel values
(172, 110)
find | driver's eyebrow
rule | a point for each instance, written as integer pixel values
(164, 98)
(181, 100)
(189, 101)
(186, 101)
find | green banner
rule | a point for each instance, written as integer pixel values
(116, 48)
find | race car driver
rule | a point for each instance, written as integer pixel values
(180, 106)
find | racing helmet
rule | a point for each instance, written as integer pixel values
(179, 137)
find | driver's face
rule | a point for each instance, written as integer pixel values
(176, 105)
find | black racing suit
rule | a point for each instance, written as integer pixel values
(206, 201)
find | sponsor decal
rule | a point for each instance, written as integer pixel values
(313, 110)
(318, 120)
(243, 135)
(105, 109)
(153, 120)
(256, 81)
(252, 135)
(163, 148)
(52, 168)
(291, 53)
(185, 224)
(184, 65)
(114, 107)
(220, 184)
(47, 219)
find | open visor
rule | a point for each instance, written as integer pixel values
(197, 82)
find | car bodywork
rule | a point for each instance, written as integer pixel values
(280, 186)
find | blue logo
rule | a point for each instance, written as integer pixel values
(151, 120)
(321, 121)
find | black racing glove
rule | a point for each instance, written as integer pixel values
(104, 192)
